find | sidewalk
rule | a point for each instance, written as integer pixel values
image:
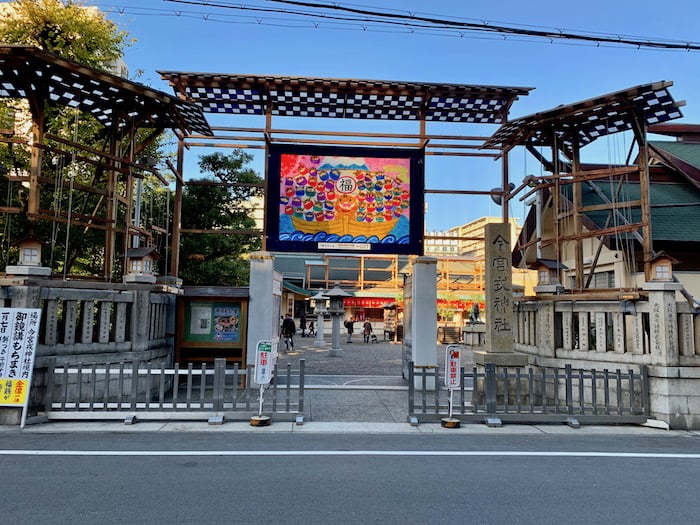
(360, 392)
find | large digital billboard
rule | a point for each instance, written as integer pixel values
(331, 199)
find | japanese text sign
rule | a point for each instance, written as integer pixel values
(264, 362)
(452, 367)
(19, 331)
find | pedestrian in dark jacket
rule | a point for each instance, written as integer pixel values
(302, 324)
(367, 330)
(350, 325)
(289, 328)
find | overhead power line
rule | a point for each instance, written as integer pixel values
(503, 29)
(338, 16)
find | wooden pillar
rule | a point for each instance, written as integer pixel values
(38, 118)
(128, 218)
(578, 204)
(111, 207)
(177, 212)
(267, 208)
(505, 180)
(555, 205)
(644, 198)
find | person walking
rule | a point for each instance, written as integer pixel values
(312, 329)
(367, 330)
(289, 328)
(302, 323)
(350, 325)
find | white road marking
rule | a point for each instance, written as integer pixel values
(398, 453)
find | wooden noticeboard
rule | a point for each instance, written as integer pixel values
(211, 326)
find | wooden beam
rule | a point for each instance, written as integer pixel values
(61, 213)
(607, 294)
(35, 159)
(223, 232)
(349, 134)
(577, 194)
(175, 171)
(226, 184)
(639, 128)
(177, 213)
(613, 230)
(612, 205)
(73, 222)
(76, 186)
(460, 192)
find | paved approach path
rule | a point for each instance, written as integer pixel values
(363, 385)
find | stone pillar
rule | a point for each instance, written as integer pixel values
(424, 311)
(663, 328)
(420, 324)
(545, 329)
(320, 330)
(265, 292)
(499, 299)
(140, 319)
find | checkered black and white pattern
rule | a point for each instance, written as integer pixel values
(591, 119)
(224, 100)
(387, 107)
(311, 103)
(453, 109)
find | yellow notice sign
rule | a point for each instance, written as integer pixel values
(13, 392)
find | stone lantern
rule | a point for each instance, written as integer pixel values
(662, 267)
(140, 265)
(337, 311)
(320, 308)
(29, 262)
(548, 276)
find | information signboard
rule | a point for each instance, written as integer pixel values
(452, 367)
(265, 360)
(19, 331)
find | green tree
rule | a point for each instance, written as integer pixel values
(220, 259)
(81, 33)
(67, 28)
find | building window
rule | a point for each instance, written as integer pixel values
(663, 271)
(30, 256)
(604, 280)
(544, 276)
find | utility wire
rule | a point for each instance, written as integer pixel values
(321, 10)
(502, 29)
(486, 30)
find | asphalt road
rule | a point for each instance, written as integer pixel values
(353, 478)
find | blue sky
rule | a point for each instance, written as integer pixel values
(176, 36)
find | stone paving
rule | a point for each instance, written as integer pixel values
(363, 385)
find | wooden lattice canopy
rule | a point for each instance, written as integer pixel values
(30, 72)
(592, 118)
(344, 98)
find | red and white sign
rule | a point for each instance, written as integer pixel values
(452, 367)
(367, 302)
(264, 362)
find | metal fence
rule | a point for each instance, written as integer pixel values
(532, 395)
(123, 390)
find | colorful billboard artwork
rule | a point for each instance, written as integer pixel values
(358, 199)
(213, 322)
